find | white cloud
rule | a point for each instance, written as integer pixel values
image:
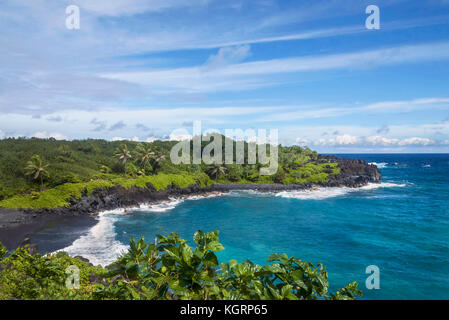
(129, 7)
(45, 135)
(125, 139)
(229, 55)
(371, 141)
(346, 139)
(416, 141)
(308, 112)
(381, 141)
(339, 140)
(239, 76)
(180, 135)
(152, 139)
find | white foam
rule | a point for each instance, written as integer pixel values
(199, 197)
(172, 203)
(426, 166)
(324, 193)
(380, 165)
(99, 244)
(162, 206)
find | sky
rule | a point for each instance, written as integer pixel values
(147, 69)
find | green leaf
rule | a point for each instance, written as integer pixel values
(210, 259)
(173, 252)
(286, 290)
(198, 237)
(215, 246)
(187, 254)
(274, 257)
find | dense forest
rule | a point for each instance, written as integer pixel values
(35, 172)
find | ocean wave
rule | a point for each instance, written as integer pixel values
(380, 165)
(99, 244)
(324, 193)
(199, 197)
(162, 206)
(172, 203)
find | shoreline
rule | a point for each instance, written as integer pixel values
(16, 225)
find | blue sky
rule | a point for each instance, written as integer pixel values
(145, 70)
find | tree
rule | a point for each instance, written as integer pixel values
(37, 168)
(157, 160)
(215, 170)
(145, 154)
(250, 172)
(167, 269)
(123, 154)
(172, 269)
(105, 169)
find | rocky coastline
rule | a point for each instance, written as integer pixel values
(15, 225)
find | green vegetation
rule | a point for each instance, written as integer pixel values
(74, 168)
(122, 154)
(37, 169)
(170, 269)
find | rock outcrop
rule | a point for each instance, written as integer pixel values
(354, 173)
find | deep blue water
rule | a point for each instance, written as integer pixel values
(401, 227)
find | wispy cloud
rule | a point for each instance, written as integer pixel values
(118, 126)
(246, 75)
(389, 107)
(131, 7)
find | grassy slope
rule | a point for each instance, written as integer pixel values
(74, 168)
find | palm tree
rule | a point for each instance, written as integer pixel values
(250, 172)
(145, 154)
(37, 168)
(216, 169)
(157, 159)
(123, 154)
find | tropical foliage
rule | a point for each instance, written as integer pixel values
(37, 169)
(122, 154)
(165, 270)
(81, 161)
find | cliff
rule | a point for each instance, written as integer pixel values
(353, 173)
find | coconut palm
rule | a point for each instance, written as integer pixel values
(216, 169)
(145, 154)
(37, 168)
(157, 159)
(123, 154)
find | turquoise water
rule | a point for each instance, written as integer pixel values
(401, 226)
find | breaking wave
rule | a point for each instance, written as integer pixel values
(162, 206)
(380, 165)
(101, 247)
(324, 193)
(99, 244)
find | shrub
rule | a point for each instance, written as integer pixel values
(168, 269)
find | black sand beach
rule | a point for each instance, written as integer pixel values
(16, 225)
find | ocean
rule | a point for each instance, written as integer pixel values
(401, 226)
